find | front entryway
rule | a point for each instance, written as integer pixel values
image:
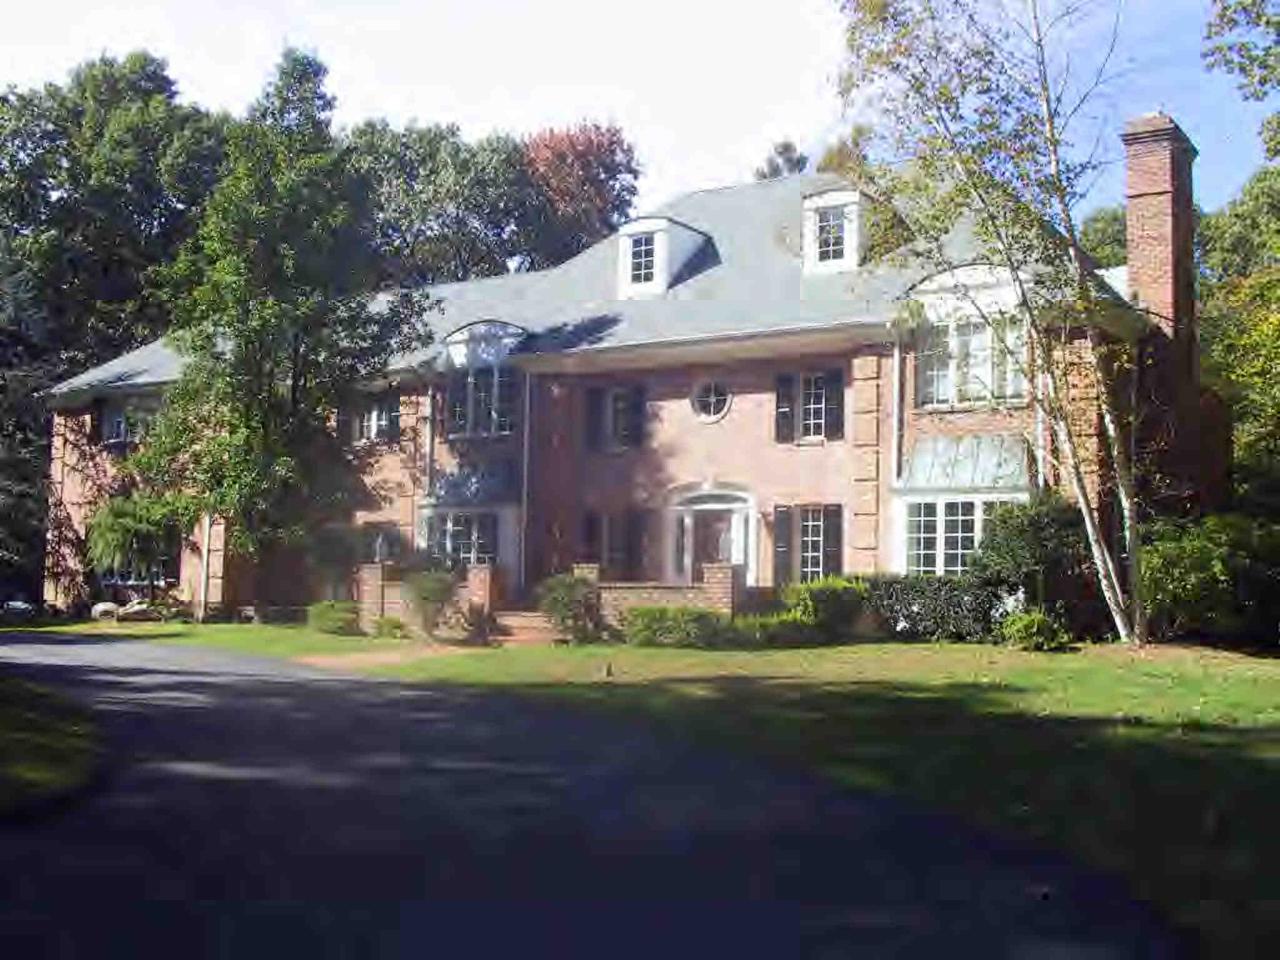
(710, 526)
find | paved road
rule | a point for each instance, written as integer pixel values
(258, 809)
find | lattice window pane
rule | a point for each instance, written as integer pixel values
(973, 361)
(642, 258)
(933, 367)
(922, 538)
(831, 233)
(813, 406)
(811, 543)
(959, 534)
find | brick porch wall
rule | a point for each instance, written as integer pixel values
(721, 591)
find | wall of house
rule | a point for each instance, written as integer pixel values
(681, 453)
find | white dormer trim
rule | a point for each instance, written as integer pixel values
(675, 244)
(657, 227)
(849, 201)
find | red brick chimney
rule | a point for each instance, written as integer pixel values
(1160, 227)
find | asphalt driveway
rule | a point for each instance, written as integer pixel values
(254, 808)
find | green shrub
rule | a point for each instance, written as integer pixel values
(783, 628)
(390, 628)
(573, 604)
(831, 605)
(961, 608)
(432, 589)
(1033, 629)
(1040, 549)
(1218, 576)
(674, 627)
(341, 617)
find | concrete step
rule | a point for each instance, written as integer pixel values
(525, 628)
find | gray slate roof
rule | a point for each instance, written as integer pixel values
(748, 278)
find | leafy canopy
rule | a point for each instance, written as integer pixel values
(273, 310)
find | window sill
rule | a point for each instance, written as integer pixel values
(450, 437)
(811, 442)
(972, 406)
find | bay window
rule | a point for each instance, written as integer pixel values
(943, 535)
(970, 361)
(481, 402)
(463, 538)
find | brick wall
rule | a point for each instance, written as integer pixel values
(721, 591)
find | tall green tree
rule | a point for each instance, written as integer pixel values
(448, 209)
(101, 180)
(1242, 38)
(23, 372)
(986, 99)
(1103, 235)
(273, 310)
(444, 209)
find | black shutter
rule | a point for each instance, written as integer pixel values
(636, 520)
(832, 540)
(782, 536)
(393, 417)
(784, 417)
(97, 412)
(595, 397)
(487, 535)
(591, 537)
(638, 414)
(343, 425)
(833, 415)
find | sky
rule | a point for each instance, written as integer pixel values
(702, 87)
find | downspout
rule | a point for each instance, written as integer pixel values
(524, 482)
(203, 609)
(895, 442)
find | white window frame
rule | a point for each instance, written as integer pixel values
(712, 386)
(830, 234)
(816, 256)
(984, 506)
(810, 560)
(613, 398)
(643, 253)
(372, 421)
(999, 378)
(454, 524)
(812, 385)
(499, 425)
(123, 424)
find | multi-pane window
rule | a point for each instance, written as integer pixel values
(711, 400)
(959, 534)
(481, 402)
(971, 361)
(378, 418)
(463, 538)
(642, 258)
(813, 408)
(158, 570)
(121, 425)
(810, 543)
(943, 535)
(620, 425)
(922, 538)
(830, 234)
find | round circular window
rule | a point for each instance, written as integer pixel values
(711, 400)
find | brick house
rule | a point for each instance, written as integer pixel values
(717, 390)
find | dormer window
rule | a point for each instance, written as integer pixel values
(830, 234)
(652, 253)
(642, 258)
(832, 238)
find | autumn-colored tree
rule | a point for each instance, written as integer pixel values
(586, 176)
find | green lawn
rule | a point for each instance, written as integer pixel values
(48, 746)
(1161, 764)
(268, 640)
